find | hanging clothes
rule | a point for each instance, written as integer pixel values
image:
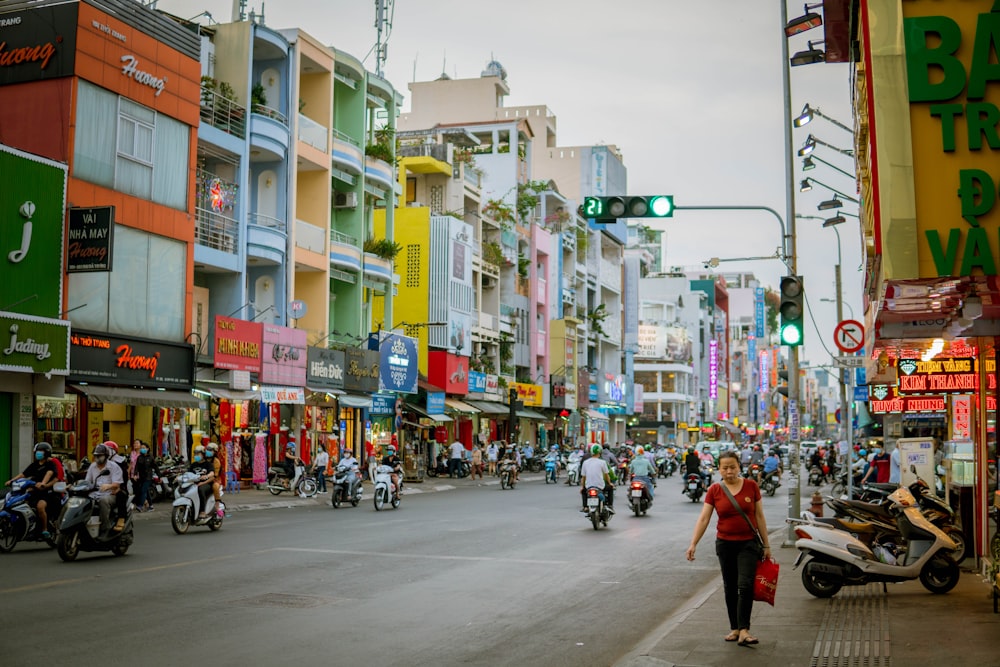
(260, 459)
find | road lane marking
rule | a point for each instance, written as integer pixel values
(490, 559)
(47, 584)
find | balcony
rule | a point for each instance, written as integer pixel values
(379, 173)
(223, 113)
(378, 269)
(216, 230)
(268, 134)
(569, 296)
(310, 237)
(312, 133)
(266, 238)
(569, 241)
(541, 290)
(347, 154)
(345, 252)
(268, 112)
(611, 275)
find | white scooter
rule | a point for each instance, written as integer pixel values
(837, 558)
(385, 490)
(573, 472)
(301, 483)
(187, 506)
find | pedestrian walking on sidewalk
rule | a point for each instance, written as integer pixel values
(477, 462)
(322, 461)
(738, 545)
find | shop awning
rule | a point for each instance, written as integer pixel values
(355, 401)
(531, 414)
(489, 408)
(458, 406)
(231, 394)
(594, 414)
(321, 390)
(423, 413)
(133, 396)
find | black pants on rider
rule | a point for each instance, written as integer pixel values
(609, 496)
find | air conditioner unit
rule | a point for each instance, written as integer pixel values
(345, 200)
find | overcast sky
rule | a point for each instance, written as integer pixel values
(690, 91)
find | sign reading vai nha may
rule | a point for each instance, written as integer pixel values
(91, 239)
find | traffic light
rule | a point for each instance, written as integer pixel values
(790, 331)
(609, 209)
(783, 379)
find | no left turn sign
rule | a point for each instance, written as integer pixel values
(849, 336)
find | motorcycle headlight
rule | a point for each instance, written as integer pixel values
(75, 502)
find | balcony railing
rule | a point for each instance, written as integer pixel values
(224, 114)
(471, 177)
(273, 114)
(436, 151)
(312, 133)
(262, 220)
(309, 237)
(340, 237)
(344, 137)
(214, 230)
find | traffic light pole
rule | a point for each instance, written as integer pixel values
(795, 469)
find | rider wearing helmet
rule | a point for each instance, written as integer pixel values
(692, 462)
(107, 479)
(392, 460)
(42, 471)
(121, 498)
(212, 457)
(290, 461)
(206, 476)
(594, 474)
(643, 469)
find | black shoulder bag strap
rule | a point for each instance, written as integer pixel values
(756, 533)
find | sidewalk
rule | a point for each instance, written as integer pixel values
(860, 626)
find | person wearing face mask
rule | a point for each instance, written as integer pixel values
(878, 470)
(206, 476)
(212, 456)
(42, 471)
(143, 470)
(106, 478)
(121, 497)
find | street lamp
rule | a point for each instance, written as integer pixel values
(807, 114)
(811, 142)
(806, 186)
(809, 165)
(849, 306)
(808, 21)
(810, 56)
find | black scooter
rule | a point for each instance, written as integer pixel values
(80, 525)
(638, 496)
(347, 486)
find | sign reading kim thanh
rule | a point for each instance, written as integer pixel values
(954, 104)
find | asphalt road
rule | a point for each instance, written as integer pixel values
(471, 576)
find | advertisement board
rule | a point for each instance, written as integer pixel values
(38, 44)
(238, 344)
(117, 360)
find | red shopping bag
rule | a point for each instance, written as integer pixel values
(765, 582)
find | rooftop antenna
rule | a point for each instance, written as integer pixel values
(384, 11)
(239, 10)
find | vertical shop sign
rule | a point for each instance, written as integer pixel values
(713, 369)
(91, 239)
(961, 417)
(758, 311)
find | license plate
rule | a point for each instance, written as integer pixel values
(591, 502)
(693, 485)
(637, 493)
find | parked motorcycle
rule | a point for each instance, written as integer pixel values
(836, 558)
(187, 510)
(347, 486)
(694, 487)
(385, 490)
(507, 478)
(80, 525)
(19, 522)
(639, 498)
(440, 469)
(597, 511)
(301, 483)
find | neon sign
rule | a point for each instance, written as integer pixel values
(713, 369)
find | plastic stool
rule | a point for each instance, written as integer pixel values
(232, 484)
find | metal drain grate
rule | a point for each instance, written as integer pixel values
(855, 630)
(283, 600)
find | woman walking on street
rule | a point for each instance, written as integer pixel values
(738, 545)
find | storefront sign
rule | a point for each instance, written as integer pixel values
(286, 395)
(284, 358)
(612, 389)
(32, 201)
(764, 374)
(324, 368)
(116, 360)
(638, 403)
(529, 394)
(130, 68)
(961, 417)
(477, 382)
(958, 375)
(492, 383)
(592, 392)
(238, 344)
(398, 358)
(907, 404)
(91, 239)
(583, 388)
(758, 312)
(361, 370)
(713, 369)
(31, 344)
(383, 404)
(38, 44)
(448, 371)
(435, 402)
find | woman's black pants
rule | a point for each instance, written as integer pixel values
(738, 560)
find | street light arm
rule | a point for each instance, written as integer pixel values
(783, 255)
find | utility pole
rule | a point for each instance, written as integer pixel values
(795, 492)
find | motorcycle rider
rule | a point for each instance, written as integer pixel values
(289, 462)
(643, 469)
(110, 483)
(772, 466)
(121, 497)
(392, 460)
(212, 457)
(351, 463)
(206, 477)
(42, 471)
(594, 474)
(692, 466)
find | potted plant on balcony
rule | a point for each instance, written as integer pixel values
(383, 147)
(383, 248)
(258, 98)
(596, 318)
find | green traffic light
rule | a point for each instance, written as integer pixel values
(791, 335)
(593, 207)
(661, 206)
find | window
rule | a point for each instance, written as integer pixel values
(134, 166)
